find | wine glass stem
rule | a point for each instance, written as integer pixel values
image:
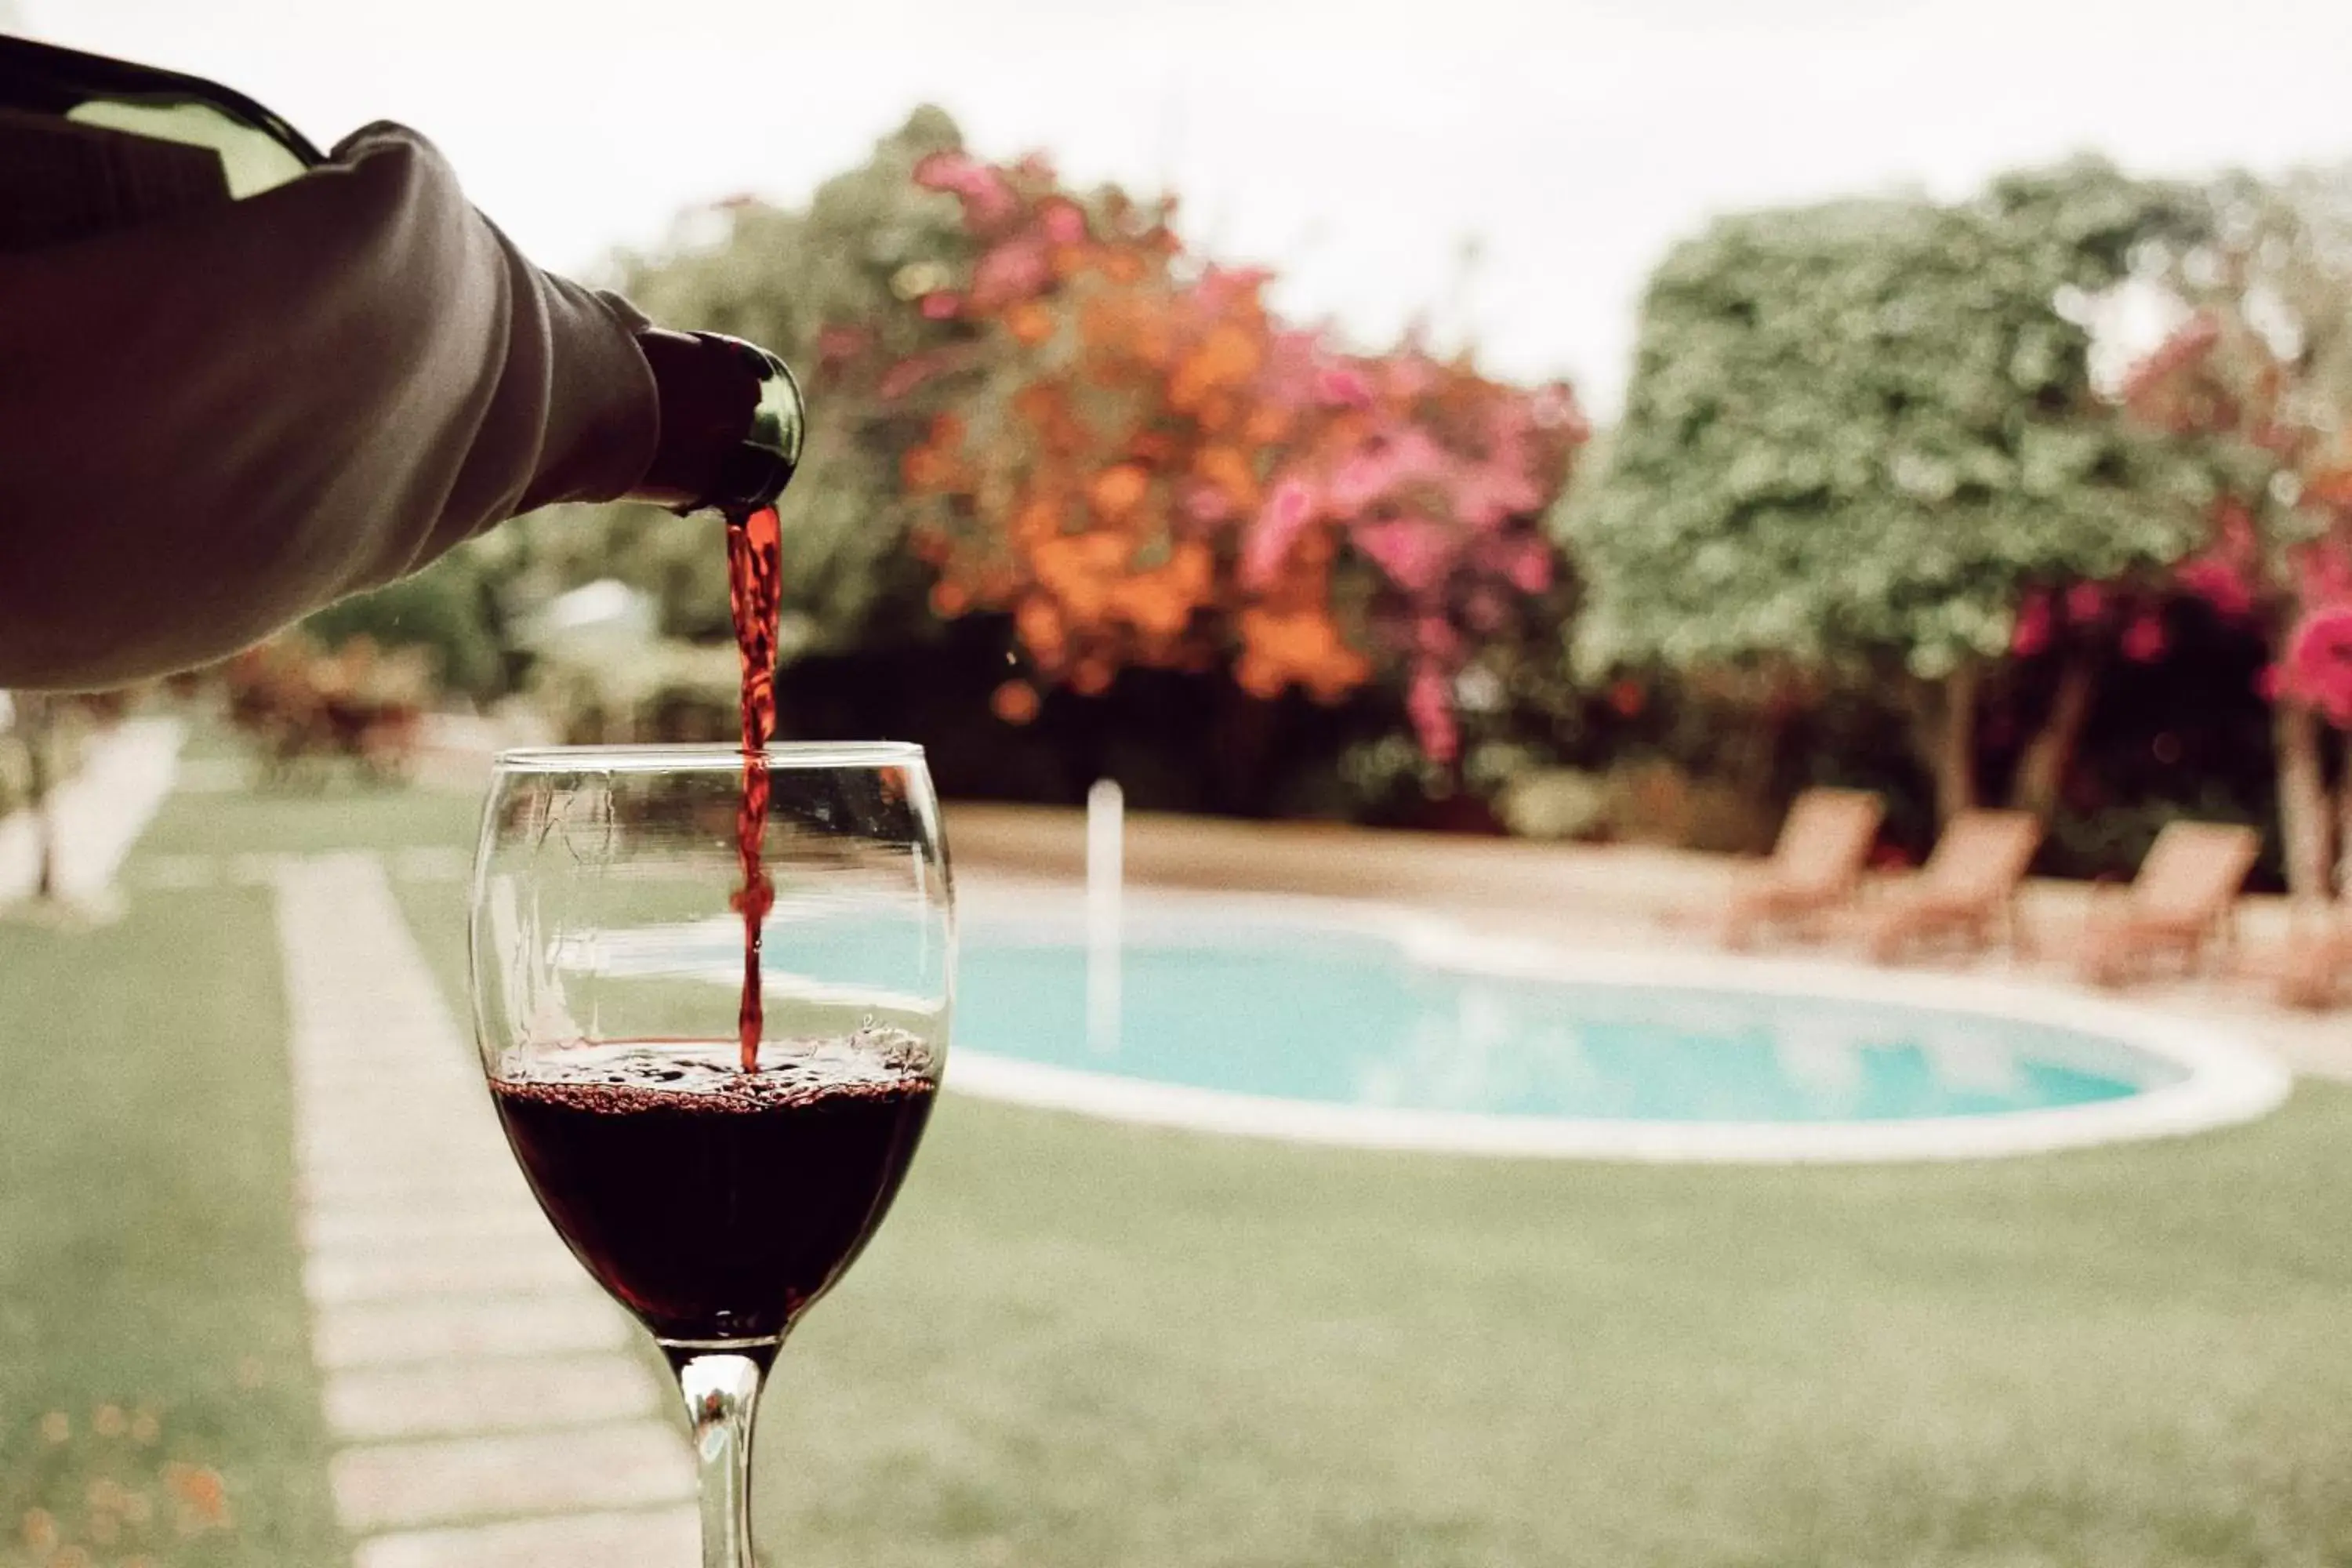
(722, 1394)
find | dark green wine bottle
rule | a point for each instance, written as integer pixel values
(97, 144)
(90, 146)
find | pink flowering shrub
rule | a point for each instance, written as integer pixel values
(1169, 476)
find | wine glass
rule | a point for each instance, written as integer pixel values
(608, 958)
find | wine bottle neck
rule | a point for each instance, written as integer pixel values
(731, 423)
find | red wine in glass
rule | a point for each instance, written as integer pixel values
(715, 1205)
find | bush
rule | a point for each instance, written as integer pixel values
(302, 705)
(614, 689)
(1554, 803)
(444, 611)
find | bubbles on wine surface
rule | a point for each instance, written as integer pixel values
(789, 1070)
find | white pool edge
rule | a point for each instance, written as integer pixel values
(2227, 1082)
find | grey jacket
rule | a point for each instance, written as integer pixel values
(213, 423)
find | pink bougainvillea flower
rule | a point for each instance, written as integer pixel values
(1361, 478)
(1435, 640)
(2317, 668)
(1291, 504)
(941, 305)
(987, 200)
(2142, 640)
(1428, 706)
(1065, 224)
(2220, 583)
(2085, 602)
(1015, 269)
(2032, 633)
(944, 171)
(1411, 550)
(1487, 495)
(1528, 566)
(1343, 386)
(1206, 503)
(1288, 507)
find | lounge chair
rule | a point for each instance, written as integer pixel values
(1816, 864)
(2185, 897)
(1968, 888)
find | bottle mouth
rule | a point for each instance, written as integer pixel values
(755, 472)
(731, 423)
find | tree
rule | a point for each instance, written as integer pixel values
(1152, 471)
(1858, 436)
(2265, 356)
(445, 610)
(1094, 484)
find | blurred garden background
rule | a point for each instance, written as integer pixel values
(1956, 461)
(2041, 496)
(1941, 445)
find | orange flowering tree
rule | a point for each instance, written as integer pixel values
(1156, 472)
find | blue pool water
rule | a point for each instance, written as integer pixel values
(1347, 1020)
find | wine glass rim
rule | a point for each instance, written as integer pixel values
(781, 756)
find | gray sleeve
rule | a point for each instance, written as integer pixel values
(212, 425)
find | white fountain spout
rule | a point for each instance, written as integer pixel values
(1106, 874)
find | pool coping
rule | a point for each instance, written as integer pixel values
(2225, 1081)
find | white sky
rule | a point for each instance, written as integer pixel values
(1355, 145)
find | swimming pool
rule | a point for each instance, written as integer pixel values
(1330, 1022)
(1341, 1024)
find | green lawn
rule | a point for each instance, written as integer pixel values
(295, 823)
(152, 1346)
(1078, 1345)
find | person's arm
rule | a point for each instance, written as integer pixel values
(212, 425)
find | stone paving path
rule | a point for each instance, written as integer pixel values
(489, 1406)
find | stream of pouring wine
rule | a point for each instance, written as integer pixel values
(754, 593)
